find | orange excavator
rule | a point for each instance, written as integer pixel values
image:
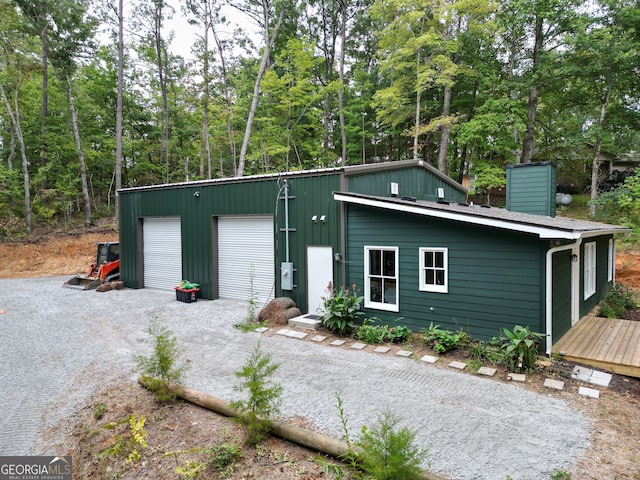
(105, 269)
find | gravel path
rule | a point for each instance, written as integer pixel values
(59, 345)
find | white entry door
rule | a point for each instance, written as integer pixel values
(319, 275)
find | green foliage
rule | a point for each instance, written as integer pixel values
(561, 475)
(130, 443)
(263, 395)
(520, 347)
(191, 469)
(342, 308)
(389, 451)
(221, 456)
(490, 352)
(99, 408)
(617, 301)
(442, 340)
(370, 333)
(489, 176)
(160, 368)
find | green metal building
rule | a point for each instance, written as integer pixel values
(400, 231)
(260, 236)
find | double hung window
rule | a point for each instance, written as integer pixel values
(381, 278)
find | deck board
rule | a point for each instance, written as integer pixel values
(604, 343)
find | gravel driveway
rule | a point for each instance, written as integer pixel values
(59, 345)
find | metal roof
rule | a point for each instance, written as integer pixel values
(347, 170)
(542, 226)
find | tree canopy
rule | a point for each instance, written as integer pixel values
(89, 105)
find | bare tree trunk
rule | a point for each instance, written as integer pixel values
(44, 108)
(343, 39)
(14, 115)
(445, 131)
(527, 144)
(416, 134)
(120, 87)
(256, 90)
(205, 152)
(595, 166)
(83, 166)
(157, 34)
(227, 97)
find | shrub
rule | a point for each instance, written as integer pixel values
(399, 334)
(342, 308)
(617, 301)
(442, 340)
(520, 347)
(487, 351)
(369, 333)
(160, 368)
(389, 452)
(263, 395)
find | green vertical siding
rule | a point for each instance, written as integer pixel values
(561, 295)
(412, 182)
(603, 285)
(531, 188)
(311, 195)
(496, 278)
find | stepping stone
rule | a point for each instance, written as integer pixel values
(319, 338)
(589, 392)
(262, 329)
(283, 331)
(337, 343)
(602, 379)
(582, 373)
(489, 372)
(555, 384)
(517, 377)
(404, 353)
(589, 375)
(358, 346)
(458, 365)
(429, 359)
(295, 334)
(381, 349)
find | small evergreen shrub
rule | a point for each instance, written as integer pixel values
(389, 451)
(263, 396)
(160, 369)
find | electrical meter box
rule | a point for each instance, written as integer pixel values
(286, 275)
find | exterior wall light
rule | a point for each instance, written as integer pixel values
(314, 218)
(337, 256)
(196, 194)
(574, 258)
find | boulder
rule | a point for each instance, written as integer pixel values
(279, 311)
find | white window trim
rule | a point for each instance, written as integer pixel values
(612, 259)
(368, 303)
(424, 287)
(589, 269)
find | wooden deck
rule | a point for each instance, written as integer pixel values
(604, 343)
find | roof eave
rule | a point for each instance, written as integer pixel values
(540, 231)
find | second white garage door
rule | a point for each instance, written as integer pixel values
(246, 257)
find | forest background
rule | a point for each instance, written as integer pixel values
(93, 98)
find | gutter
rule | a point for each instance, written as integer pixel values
(575, 285)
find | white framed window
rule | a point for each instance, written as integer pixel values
(381, 278)
(434, 272)
(589, 269)
(611, 261)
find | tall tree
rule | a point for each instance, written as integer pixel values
(119, 102)
(268, 15)
(38, 13)
(14, 47)
(74, 29)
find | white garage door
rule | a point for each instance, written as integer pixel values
(162, 252)
(246, 259)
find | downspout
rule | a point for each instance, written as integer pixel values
(549, 290)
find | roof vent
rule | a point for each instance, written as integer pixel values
(443, 202)
(409, 199)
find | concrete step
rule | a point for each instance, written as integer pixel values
(309, 321)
